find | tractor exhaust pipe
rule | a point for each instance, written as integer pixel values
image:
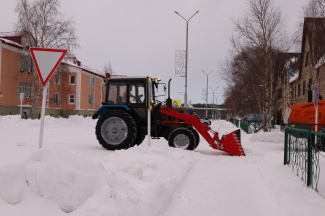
(169, 100)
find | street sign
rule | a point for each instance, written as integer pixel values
(316, 96)
(176, 103)
(46, 61)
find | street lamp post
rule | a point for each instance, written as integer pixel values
(185, 94)
(213, 101)
(206, 99)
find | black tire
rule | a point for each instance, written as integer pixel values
(197, 137)
(182, 138)
(139, 139)
(116, 130)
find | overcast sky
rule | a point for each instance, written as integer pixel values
(140, 37)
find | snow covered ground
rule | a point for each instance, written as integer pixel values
(73, 175)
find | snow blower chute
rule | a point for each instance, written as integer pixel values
(229, 143)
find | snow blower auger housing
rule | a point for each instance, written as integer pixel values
(123, 119)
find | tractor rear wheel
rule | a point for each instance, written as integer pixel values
(139, 139)
(182, 138)
(197, 137)
(116, 130)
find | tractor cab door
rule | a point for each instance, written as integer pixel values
(116, 92)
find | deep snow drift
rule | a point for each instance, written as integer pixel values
(73, 175)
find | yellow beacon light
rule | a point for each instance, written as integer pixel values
(158, 79)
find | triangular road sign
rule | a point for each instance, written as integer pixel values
(46, 61)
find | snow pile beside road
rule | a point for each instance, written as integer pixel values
(275, 137)
(142, 178)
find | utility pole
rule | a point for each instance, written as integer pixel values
(185, 94)
(213, 100)
(206, 99)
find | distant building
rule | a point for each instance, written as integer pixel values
(306, 68)
(73, 89)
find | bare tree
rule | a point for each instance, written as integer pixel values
(321, 7)
(261, 29)
(44, 26)
(108, 69)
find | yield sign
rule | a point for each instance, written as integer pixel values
(46, 61)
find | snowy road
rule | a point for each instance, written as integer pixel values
(74, 174)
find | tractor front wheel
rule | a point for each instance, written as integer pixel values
(182, 138)
(116, 130)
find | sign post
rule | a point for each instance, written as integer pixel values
(316, 98)
(46, 62)
(21, 97)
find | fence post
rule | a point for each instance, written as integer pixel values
(285, 146)
(311, 142)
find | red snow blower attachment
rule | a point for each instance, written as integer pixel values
(229, 143)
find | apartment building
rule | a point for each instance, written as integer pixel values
(73, 88)
(308, 68)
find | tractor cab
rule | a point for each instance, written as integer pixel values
(130, 94)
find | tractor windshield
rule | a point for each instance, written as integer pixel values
(136, 93)
(116, 93)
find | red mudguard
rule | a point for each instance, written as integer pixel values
(229, 143)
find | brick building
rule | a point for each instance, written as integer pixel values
(309, 67)
(73, 88)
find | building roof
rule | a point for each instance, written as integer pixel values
(10, 42)
(314, 29)
(14, 39)
(72, 61)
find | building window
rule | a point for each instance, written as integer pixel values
(57, 78)
(299, 90)
(91, 81)
(25, 88)
(56, 99)
(308, 58)
(71, 99)
(304, 88)
(26, 63)
(90, 99)
(310, 84)
(72, 80)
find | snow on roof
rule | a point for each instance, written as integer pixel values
(10, 34)
(320, 62)
(10, 42)
(73, 62)
(293, 59)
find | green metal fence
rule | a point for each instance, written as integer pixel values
(244, 125)
(302, 153)
(250, 127)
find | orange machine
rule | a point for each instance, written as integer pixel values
(305, 114)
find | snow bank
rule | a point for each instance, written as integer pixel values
(15, 120)
(140, 178)
(275, 137)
